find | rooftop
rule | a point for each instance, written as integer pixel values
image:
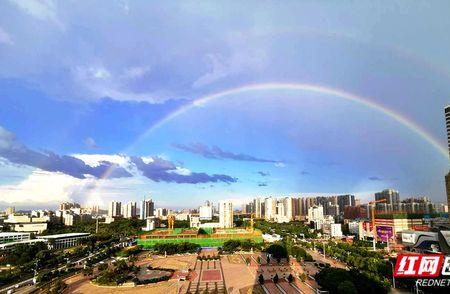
(10, 234)
(59, 236)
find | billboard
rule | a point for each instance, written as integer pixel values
(384, 233)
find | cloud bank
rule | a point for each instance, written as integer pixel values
(215, 152)
(16, 152)
(159, 169)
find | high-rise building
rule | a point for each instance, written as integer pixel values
(447, 123)
(226, 214)
(206, 211)
(270, 207)
(160, 212)
(10, 210)
(147, 209)
(283, 210)
(130, 210)
(114, 209)
(315, 213)
(447, 177)
(248, 208)
(258, 207)
(295, 207)
(345, 200)
(305, 204)
(391, 196)
(68, 205)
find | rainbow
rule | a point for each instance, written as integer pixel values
(301, 87)
(364, 101)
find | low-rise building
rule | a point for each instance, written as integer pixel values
(11, 245)
(63, 240)
(7, 237)
(271, 238)
(25, 223)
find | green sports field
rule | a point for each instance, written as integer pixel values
(204, 242)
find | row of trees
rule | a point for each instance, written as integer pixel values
(114, 276)
(341, 281)
(300, 254)
(358, 257)
(233, 245)
(119, 228)
(285, 229)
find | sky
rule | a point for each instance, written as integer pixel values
(188, 101)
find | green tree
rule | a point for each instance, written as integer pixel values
(275, 278)
(346, 287)
(261, 279)
(277, 251)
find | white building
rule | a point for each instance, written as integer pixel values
(6, 237)
(315, 213)
(194, 222)
(161, 212)
(25, 223)
(226, 214)
(114, 209)
(147, 208)
(258, 206)
(130, 210)
(284, 213)
(270, 207)
(182, 216)
(152, 223)
(206, 211)
(63, 240)
(353, 227)
(71, 219)
(270, 238)
(335, 230)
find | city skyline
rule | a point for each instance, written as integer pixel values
(231, 108)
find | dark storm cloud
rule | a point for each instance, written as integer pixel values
(215, 152)
(161, 170)
(15, 152)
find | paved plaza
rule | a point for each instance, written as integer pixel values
(237, 273)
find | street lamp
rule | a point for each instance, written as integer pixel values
(323, 250)
(393, 278)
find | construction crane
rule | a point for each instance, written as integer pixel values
(251, 222)
(372, 219)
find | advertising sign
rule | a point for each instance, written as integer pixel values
(384, 233)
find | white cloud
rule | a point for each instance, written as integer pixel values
(182, 171)
(136, 72)
(39, 187)
(241, 60)
(44, 10)
(90, 143)
(7, 139)
(280, 164)
(5, 38)
(95, 159)
(99, 81)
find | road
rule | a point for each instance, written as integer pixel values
(319, 258)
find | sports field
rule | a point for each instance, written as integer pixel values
(204, 242)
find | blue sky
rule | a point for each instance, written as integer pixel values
(82, 82)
